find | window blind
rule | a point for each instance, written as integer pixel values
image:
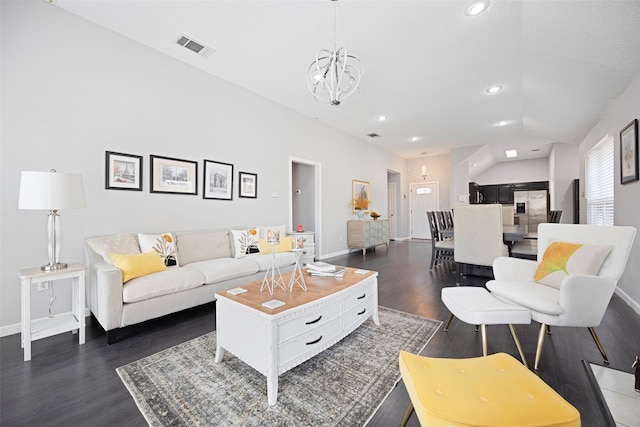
(599, 181)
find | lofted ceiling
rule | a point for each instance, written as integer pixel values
(427, 64)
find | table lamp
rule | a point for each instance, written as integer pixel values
(51, 191)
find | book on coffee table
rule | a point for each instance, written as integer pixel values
(320, 267)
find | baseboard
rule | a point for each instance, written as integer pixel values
(630, 301)
(5, 331)
(333, 254)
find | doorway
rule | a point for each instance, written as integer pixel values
(423, 197)
(305, 198)
(393, 184)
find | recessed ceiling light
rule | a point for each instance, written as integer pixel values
(503, 123)
(381, 118)
(477, 7)
(494, 89)
(511, 153)
(414, 138)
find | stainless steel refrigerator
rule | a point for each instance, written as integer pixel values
(531, 208)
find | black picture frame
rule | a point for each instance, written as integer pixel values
(173, 176)
(122, 171)
(247, 185)
(217, 180)
(629, 153)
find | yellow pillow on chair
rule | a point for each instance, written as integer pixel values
(562, 259)
(138, 265)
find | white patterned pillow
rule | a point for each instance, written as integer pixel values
(126, 244)
(245, 242)
(164, 244)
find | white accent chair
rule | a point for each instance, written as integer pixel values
(478, 235)
(581, 300)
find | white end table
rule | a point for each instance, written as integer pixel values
(74, 320)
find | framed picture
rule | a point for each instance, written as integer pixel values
(218, 180)
(629, 153)
(248, 185)
(123, 171)
(174, 176)
(359, 195)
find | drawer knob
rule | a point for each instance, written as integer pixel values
(314, 321)
(362, 296)
(315, 342)
(362, 312)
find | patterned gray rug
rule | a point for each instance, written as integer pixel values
(342, 386)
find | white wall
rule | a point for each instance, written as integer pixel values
(515, 171)
(73, 90)
(627, 197)
(563, 169)
(438, 170)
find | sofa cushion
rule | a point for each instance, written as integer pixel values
(138, 265)
(115, 244)
(220, 269)
(164, 244)
(197, 246)
(561, 259)
(243, 241)
(173, 279)
(264, 260)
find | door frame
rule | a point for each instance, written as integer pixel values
(411, 196)
(317, 177)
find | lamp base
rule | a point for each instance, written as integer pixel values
(54, 267)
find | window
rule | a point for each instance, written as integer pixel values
(599, 179)
(424, 190)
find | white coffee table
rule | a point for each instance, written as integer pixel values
(273, 341)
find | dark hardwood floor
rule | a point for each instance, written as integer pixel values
(66, 384)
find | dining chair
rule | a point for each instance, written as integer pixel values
(478, 235)
(508, 215)
(448, 219)
(555, 216)
(572, 280)
(442, 225)
(441, 249)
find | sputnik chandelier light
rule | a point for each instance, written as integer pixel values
(334, 75)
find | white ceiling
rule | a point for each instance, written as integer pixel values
(427, 64)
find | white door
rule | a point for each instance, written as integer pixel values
(391, 200)
(424, 196)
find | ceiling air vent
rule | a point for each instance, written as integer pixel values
(194, 46)
(373, 135)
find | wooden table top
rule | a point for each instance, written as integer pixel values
(317, 287)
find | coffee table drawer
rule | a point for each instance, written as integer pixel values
(359, 313)
(307, 322)
(362, 292)
(298, 346)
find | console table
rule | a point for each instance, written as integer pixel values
(363, 234)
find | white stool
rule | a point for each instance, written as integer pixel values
(477, 306)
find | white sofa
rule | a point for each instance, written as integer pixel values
(207, 262)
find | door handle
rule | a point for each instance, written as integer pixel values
(315, 342)
(314, 321)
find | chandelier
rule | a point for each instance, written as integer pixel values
(334, 75)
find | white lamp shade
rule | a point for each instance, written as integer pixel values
(51, 190)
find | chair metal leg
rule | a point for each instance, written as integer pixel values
(446, 326)
(517, 341)
(407, 414)
(541, 334)
(483, 330)
(548, 330)
(595, 338)
(459, 271)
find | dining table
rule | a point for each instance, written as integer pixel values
(510, 233)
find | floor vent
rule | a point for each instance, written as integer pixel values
(194, 46)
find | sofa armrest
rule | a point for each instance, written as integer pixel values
(586, 298)
(105, 294)
(506, 268)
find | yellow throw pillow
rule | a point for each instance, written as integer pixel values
(285, 245)
(138, 265)
(562, 259)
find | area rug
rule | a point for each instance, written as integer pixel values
(342, 386)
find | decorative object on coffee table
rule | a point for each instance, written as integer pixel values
(297, 278)
(271, 279)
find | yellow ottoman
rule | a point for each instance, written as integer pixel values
(494, 390)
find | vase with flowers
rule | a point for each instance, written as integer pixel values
(360, 205)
